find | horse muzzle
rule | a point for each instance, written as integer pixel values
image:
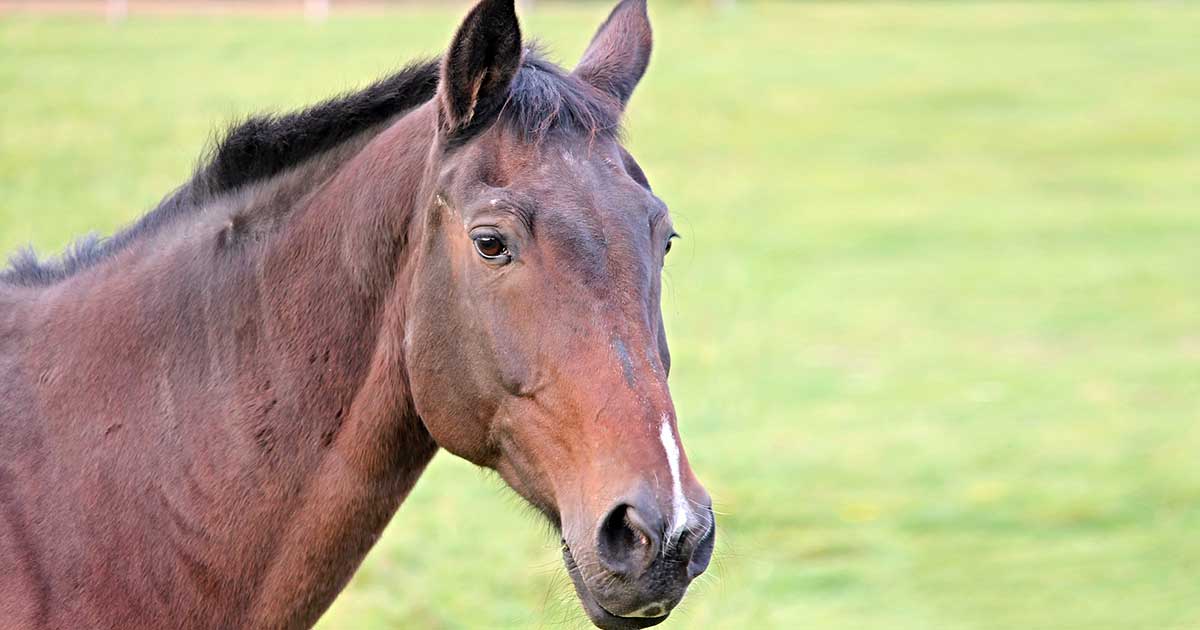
(639, 566)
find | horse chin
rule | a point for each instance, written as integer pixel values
(597, 613)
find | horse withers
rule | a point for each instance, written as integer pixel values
(207, 419)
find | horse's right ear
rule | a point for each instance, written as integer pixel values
(478, 68)
(620, 51)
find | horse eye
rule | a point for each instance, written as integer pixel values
(670, 239)
(490, 246)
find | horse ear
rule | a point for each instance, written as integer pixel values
(479, 67)
(619, 53)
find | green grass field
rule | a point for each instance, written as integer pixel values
(935, 320)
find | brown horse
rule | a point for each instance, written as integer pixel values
(207, 419)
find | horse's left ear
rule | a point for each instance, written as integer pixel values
(619, 53)
(479, 67)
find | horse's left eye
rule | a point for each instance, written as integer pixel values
(490, 246)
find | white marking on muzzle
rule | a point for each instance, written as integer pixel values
(678, 502)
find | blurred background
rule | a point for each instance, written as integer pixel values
(935, 318)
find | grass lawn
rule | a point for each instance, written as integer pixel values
(935, 320)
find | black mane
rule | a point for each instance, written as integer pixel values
(543, 100)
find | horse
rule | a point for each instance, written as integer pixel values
(207, 419)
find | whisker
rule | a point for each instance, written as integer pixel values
(706, 507)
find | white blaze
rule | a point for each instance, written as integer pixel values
(678, 502)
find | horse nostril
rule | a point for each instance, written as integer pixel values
(702, 547)
(625, 544)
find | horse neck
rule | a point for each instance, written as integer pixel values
(343, 278)
(263, 392)
(292, 294)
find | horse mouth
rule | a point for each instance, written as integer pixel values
(599, 615)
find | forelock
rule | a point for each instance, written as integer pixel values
(545, 100)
